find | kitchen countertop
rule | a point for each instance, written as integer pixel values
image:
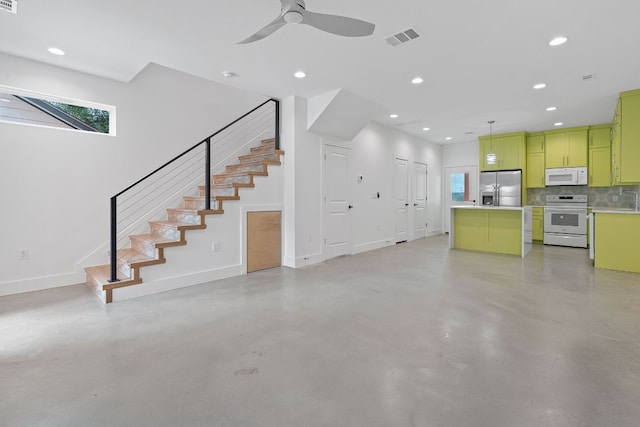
(493, 208)
(616, 211)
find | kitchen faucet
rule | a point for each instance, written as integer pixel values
(635, 193)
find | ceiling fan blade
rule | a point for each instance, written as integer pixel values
(340, 25)
(267, 30)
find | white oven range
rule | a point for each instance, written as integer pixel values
(565, 220)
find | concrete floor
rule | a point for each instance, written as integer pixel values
(412, 335)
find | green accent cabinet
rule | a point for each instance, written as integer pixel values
(535, 161)
(566, 148)
(626, 141)
(600, 156)
(509, 150)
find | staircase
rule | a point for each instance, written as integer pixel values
(148, 249)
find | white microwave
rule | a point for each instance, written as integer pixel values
(566, 176)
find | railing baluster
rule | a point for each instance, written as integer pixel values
(114, 236)
(207, 177)
(277, 124)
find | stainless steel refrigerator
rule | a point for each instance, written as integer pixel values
(501, 188)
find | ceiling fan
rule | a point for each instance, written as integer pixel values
(295, 12)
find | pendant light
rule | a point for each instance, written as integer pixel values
(491, 156)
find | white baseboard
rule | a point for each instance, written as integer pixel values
(40, 283)
(171, 283)
(370, 246)
(432, 233)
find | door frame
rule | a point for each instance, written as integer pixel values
(413, 200)
(409, 222)
(446, 190)
(325, 147)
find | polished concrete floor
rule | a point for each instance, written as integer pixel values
(412, 335)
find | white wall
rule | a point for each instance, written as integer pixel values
(463, 154)
(372, 156)
(56, 184)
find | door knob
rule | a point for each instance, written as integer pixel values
(350, 207)
(415, 204)
(406, 204)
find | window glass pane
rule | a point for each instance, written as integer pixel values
(18, 106)
(460, 187)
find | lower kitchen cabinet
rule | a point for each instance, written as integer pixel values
(537, 219)
(617, 241)
(500, 230)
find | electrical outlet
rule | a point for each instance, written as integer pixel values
(615, 198)
(309, 238)
(215, 247)
(23, 254)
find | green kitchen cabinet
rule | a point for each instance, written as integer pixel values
(509, 150)
(625, 149)
(535, 170)
(600, 156)
(566, 148)
(535, 161)
(537, 220)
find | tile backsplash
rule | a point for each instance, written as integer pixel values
(600, 197)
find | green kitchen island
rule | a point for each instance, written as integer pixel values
(500, 229)
(615, 239)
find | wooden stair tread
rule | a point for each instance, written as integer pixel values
(131, 256)
(177, 225)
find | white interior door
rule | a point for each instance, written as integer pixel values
(401, 179)
(419, 200)
(337, 230)
(460, 188)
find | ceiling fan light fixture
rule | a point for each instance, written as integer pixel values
(293, 17)
(300, 74)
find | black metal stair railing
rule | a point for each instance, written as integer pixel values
(254, 120)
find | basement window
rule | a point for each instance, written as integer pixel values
(35, 109)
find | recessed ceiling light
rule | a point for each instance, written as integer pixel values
(558, 41)
(229, 74)
(425, 129)
(300, 74)
(552, 108)
(393, 116)
(448, 138)
(5, 100)
(417, 80)
(56, 51)
(558, 124)
(539, 86)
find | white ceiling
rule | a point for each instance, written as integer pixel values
(479, 60)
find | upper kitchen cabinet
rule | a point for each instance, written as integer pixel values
(625, 145)
(600, 156)
(509, 150)
(535, 160)
(566, 148)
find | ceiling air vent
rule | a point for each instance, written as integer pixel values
(9, 6)
(402, 37)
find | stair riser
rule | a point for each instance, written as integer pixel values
(257, 157)
(246, 168)
(198, 203)
(241, 179)
(184, 217)
(145, 247)
(263, 149)
(168, 232)
(217, 192)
